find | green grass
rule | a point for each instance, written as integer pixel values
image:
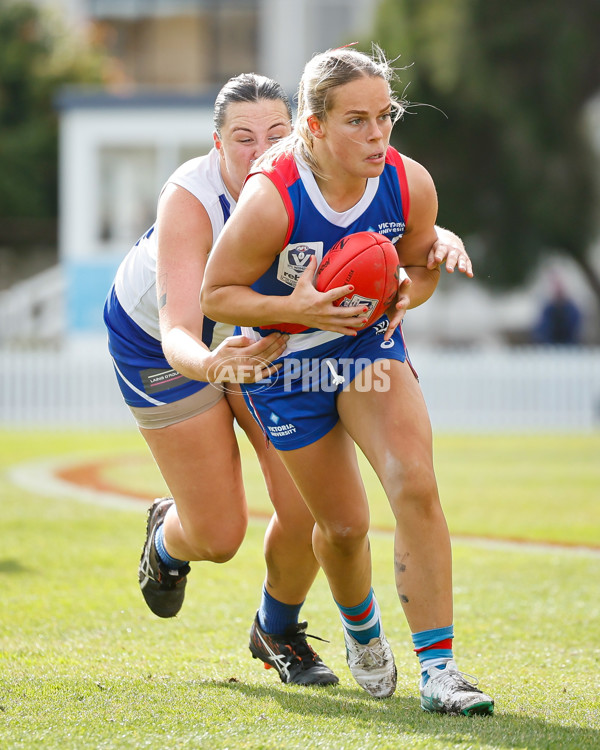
(535, 488)
(83, 663)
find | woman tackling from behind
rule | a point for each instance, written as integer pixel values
(161, 348)
(336, 175)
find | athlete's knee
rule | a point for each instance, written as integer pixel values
(219, 550)
(412, 483)
(295, 525)
(220, 544)
(416, 496)
(346, 535)
(221, 554)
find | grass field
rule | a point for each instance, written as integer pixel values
(84, 664)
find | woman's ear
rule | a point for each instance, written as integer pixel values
(314, 126)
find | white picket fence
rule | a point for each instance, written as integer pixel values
(512, 389)
(516, 389)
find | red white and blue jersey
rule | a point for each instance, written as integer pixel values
(314, 228)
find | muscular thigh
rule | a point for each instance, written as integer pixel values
(199, 460)
(391, 426)
(328, 476)
(286, 499)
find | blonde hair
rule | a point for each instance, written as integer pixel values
(322, 75)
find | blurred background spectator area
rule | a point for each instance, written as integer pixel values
(131, 85)
(101, 99)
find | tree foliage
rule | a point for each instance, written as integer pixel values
(37, 56)
(504, 137)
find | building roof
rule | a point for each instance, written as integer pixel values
(85, 98)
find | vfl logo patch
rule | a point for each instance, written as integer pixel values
(294, 259)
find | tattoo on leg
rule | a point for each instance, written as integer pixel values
(400, 567)
(400, 564)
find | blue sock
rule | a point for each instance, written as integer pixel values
(275, 616)
(363, 622)
(434, 648)
(159, 543)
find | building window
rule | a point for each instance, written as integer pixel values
(180, 44)
(234, 41)
(128, 192)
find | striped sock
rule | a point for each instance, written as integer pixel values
(433, 647)
(275, 616)
(159, 543)
(363, 622)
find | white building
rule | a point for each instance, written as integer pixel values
(115, 153)
(117, 149)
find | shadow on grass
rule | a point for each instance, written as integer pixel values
(402, 714)
(12, 567)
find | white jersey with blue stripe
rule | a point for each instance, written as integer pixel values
(314, 228)
(135, 281)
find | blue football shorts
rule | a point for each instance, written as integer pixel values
(157, 394)
(297, 405)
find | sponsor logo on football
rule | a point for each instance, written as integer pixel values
(358, 299)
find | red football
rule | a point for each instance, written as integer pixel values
(369, 262)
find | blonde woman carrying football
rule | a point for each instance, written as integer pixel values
(334, 176)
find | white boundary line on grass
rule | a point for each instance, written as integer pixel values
(40, 477)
